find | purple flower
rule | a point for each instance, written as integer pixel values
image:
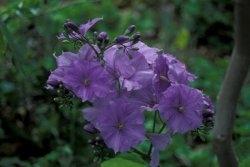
(121, 124)
(55, 77)
(149, 53)
(86, 52)
(161, 69)
(66, 59)
(177, 71)
(181, 107)
(84, 28)
(159, 142)
(88, 80)
(146, 95)
(128, 65)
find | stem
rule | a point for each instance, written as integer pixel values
(154, 124)
(160, 117)
(162, 128)
(153, 130)
(87, 41)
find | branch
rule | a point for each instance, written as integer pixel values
(231, 87)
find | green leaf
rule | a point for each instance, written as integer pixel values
(132, 157)
(114, 162)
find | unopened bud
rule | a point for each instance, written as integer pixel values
(130, 30)
(136, 37)
(102, 36)
(70, 26)
(89, 128)
(122, 39)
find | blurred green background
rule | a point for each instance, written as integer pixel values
(37, 131)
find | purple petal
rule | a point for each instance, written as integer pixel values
(84, 28)
(155, 158)
(181, 107)
(160, 141)
(66, 58)
(149, 53)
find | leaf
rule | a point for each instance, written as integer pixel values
(132, 157)
(114, 162)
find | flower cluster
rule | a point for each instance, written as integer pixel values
(125, 78)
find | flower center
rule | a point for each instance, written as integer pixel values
(180, 109)
(120, 126)
(163, 78)
(86, 82)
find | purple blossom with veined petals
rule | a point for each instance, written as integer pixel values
(161, 81)
(55, 77)
(181, 107)
(84, 28)
(121, 124)
(177, 71)
(66, 59)
(88, 80)
(86, 52)
(149, 53)
(128, 65)
(146, 95)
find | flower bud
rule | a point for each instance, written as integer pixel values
(136, 37)
(121, 39)
(90, 128)
(130, 30)
(70, 26)
(102, 36)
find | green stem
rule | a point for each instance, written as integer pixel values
(88, 42)
(162, 128)
(160, 117)
(154, 124)
(153, 130)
